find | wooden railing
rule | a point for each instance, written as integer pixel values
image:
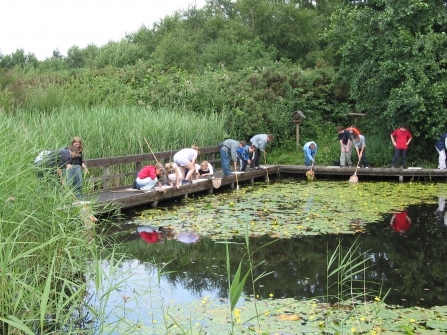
(115, 170)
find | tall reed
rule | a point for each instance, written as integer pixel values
(45, 246)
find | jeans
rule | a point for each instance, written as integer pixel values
(256, 157)
(365, 161)
(399, 152)
(74, 180)
(307, 161)
(225, 159)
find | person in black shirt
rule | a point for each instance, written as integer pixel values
(345, 143)
(74, 173)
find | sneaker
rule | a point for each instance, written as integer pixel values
(349, 166)
(185, 182)
(393, 167)
(366, 167)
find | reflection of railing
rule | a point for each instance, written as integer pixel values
(118, 171)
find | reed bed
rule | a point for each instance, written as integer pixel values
(46, 248)
(109, 132)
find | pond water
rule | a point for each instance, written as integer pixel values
(293, 227)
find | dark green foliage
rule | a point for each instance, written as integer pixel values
(393, 59)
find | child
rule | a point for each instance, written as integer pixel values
(360, 148)
(204, 169)
(148, 176)
(174, 174)
(243, 154)
(403, 138)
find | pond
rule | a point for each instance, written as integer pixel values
(292, 228)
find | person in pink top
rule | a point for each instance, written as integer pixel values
(148, 177)
(401, 137)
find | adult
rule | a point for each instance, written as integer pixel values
(310, 150)
(345, 139)
(77, 165)
(148, 176)
(228, 149)
(54, 162)
(403, 138)
(440, 146)
(186, 159)
(360, 148)
(259, 142)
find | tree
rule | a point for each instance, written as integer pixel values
(394, 61)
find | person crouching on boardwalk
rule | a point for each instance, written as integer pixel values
(186, 159)
(205, 169)
(148, 176)
(259, 141)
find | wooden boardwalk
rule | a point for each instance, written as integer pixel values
(112, 176)
(123, 197)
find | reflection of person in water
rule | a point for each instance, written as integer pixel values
(400, 221)
(151, 234)
(441, 214)
(187, 237)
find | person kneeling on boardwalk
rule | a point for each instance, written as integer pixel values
(205, 169)
(148, 177)
(50, 164)
(310, 150)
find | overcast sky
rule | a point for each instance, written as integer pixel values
(41, 26)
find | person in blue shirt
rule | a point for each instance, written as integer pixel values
(243, 154)
(310, 150)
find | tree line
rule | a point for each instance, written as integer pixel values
(259, 61)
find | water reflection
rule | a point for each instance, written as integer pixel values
(440, 213)
(400, 222)
(411, 265)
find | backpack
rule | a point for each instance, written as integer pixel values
(42, 156)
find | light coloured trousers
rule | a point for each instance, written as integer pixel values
(147, 183)
(441, 164)
(345, 156)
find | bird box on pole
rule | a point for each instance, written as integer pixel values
(297, 117)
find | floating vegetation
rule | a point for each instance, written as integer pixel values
(290, 208)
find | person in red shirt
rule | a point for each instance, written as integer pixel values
(400, 222)
(401, 137)
(148, 177)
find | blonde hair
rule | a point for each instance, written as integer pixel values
(169, 166)
(204, 165)
(195, 147)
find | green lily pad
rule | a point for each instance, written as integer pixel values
(437, 324)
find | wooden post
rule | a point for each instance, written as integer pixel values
(106, 172)
(297, 134)
(297, 117)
